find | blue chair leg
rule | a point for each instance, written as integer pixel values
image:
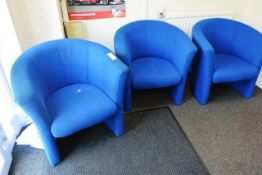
(202, 94)
(245, 88)
(128, 97)
(201, 79)
(201, 86)
(50, 147)
(116, 124)
(177, 93)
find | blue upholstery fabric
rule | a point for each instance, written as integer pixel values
(150, 77)
(67, 85)
(72, 103)
(228, 53)
(235, 69)
(154, 41)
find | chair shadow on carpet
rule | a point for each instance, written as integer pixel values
(224, 93)
(98, 134)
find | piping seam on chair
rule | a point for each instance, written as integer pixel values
(166, 40)
(87, 62)
(42, 75)
(235, 36)
(63, 63)
(146, 38)
(129, 57)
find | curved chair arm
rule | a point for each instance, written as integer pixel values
(109, 75)
(183, 55)
(246, 45)
(206, 49)
(29, 87)
(123, 48)
(203, 66)
(36, 109)
(29, 93)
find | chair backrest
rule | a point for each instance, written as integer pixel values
(56, 63)
(150, 37)
(233, 37)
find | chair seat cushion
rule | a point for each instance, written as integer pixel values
(229, 68)
(77, 107)
(151, 72)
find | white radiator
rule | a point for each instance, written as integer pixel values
(186, 20)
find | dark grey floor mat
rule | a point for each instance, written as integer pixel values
(153, 143)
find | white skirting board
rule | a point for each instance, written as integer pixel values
(7, 142)
(5, 162)
(6, 158)
(259, 80)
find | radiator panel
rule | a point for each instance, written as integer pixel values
(187, 20)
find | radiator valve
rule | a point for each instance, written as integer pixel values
(161, 13)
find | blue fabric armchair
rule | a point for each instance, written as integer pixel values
(229, 52)
(157, 54)
(67, 85)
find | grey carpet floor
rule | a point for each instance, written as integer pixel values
(226, 133)
(153, 143)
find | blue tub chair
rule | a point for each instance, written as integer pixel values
(158, 55)
(229, 52)
(68, 85)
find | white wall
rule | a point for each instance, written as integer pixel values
(9, 46)
(195, 5)
(252, 15)
(38, 21)
(103, 30)
(35, 21)
(9, 50)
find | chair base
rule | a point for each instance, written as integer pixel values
(245, 88)
(177, 94)
(116, 124)
(50, 148)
